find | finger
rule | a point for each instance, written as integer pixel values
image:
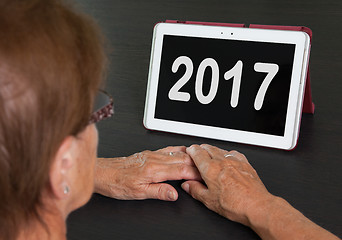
(237, 156)
(219, 153)
(172, 149)
(162, 172)
(167, 158)
(196, 189)
(161, 191)
(179, 157)
(200, 157)
(213, 151)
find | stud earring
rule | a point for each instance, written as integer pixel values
(66, 190)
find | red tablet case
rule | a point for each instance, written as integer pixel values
(308, 105)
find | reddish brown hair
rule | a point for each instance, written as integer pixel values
(51, 64)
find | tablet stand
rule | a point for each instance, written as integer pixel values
(308, 105)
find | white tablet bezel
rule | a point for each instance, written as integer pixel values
(294, 110)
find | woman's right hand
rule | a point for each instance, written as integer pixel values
(235, 191)
(233, 188)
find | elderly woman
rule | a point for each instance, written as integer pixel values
(52, 63)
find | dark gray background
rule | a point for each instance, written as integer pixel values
(309, 177)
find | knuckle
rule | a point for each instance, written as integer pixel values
(194, 146)
(239, 155)
(205, 145)
(242, 156)
(234, 152)
(146, 153)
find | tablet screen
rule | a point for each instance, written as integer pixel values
(234, 84)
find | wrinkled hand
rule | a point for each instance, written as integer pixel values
(140, 176)
(233, 186)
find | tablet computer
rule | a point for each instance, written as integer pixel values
(235, 84)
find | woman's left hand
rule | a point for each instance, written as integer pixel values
(140, 176)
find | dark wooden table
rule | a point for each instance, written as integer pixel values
(309, 177)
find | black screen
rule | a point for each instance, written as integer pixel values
(269, 119)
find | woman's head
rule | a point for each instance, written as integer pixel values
(52, 62)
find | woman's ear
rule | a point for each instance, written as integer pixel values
(59, 175)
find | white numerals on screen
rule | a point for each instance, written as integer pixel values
(236, 73)
(271, 69)
(208, 62)
(174, 93)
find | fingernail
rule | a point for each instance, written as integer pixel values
(185, 187)
(171, 195)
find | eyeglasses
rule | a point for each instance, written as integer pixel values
(103, 107)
